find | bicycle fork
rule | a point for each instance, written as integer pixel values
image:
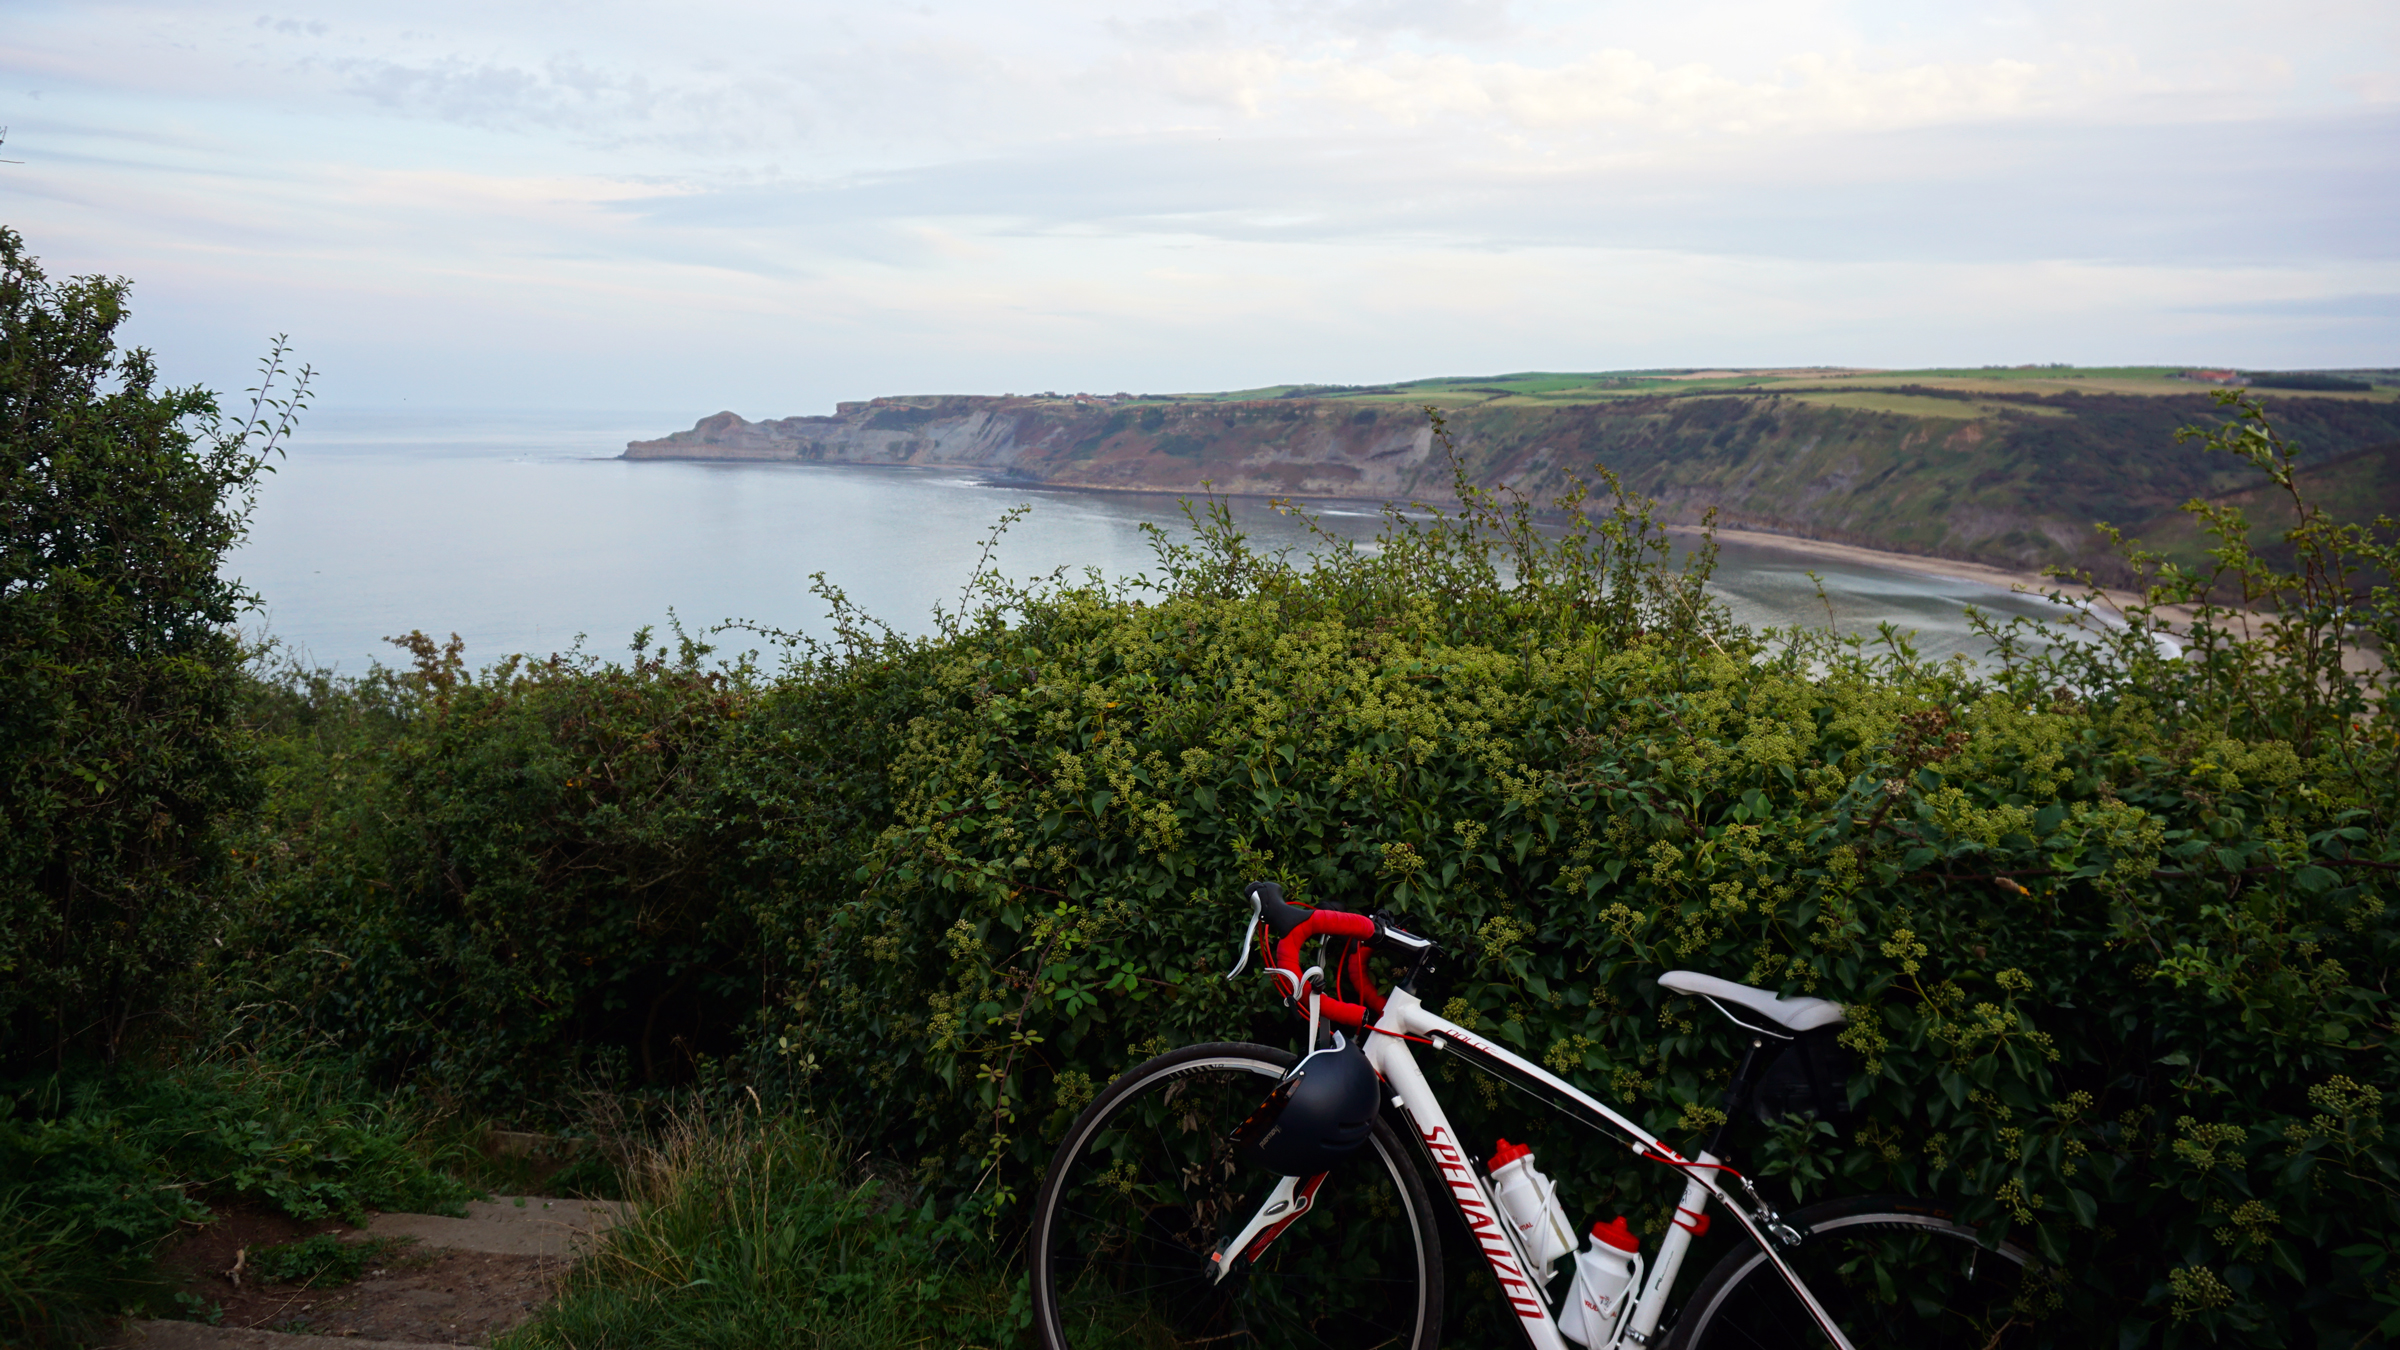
(1283, 1206)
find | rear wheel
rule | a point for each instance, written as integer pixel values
(1145, 1187)
(1893, 1272)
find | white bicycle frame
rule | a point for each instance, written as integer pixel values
(1404, 1018)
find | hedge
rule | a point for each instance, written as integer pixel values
(2113, 917)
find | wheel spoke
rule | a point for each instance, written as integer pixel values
(1147, 1185)
(1891, 1273)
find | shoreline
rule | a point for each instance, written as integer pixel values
(2178, 617)
(2014, 581)
(1919, 564)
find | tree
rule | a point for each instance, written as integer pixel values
(120, 670)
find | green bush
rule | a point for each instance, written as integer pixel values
(2114, 922)
(478, 883)
(2118, 969)
(510, 886)
(119, 669)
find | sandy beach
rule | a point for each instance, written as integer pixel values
(2000, 578)
(1918, 563)
(2178, 617)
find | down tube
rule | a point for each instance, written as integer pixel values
(1509, 1068)
(1521, 1287)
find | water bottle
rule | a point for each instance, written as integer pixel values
(1529, 1202)
(1606, 1270)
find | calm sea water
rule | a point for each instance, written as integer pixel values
(523, 533)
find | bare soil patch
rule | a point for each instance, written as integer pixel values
(416, 1293)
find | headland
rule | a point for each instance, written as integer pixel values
(2007, 469)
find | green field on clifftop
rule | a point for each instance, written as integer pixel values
(1535, 388)
(2010, 466)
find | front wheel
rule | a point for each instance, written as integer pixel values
(1146, 1185)
(1892, 1271)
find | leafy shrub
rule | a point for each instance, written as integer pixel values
(60, 1274)
(119, 670)
(2116, 968)
(2112, 921)
(476, 880)
(307, 1141)
(509, 885)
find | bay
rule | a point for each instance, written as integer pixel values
(522, 532)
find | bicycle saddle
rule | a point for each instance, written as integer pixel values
(1793, 1015)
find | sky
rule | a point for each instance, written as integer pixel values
(769, 207)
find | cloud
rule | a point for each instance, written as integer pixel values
(563, 94)
(2308, 188)
(1457, 20)
(818, 198)
(1610, 91)
(2383, 308)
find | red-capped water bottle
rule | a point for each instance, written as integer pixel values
(1606, 1272)
(1529, 1202)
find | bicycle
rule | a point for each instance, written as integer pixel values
(1149, 1230)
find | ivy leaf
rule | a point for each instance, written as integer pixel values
(2086, 1209)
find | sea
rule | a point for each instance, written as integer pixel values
(522, 532)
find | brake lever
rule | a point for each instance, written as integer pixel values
(1258, 911)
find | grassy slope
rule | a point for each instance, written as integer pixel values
(2011, 467)
(2357, 486)
(1973, 469)
(1592, 386)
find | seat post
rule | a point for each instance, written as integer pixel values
(1737, 1095)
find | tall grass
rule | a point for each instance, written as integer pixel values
(57, 1276)
(754, 1230)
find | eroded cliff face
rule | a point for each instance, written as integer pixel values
(1271, 448)
(2011, 484)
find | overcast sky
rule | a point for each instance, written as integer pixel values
(771, 206)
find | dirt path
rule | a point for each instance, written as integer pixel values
(458, 1282)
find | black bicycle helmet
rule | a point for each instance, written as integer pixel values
(1316, 1116)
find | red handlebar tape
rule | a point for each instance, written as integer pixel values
(1332, 923)
(1355, 968)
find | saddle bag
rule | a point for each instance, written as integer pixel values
(1810, 1075)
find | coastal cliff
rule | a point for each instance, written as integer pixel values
(1296, 448)
(2014, 481)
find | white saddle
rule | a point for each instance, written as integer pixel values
(1794, 1015)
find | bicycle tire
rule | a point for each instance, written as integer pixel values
(1893, 1271)
(1144, 1186)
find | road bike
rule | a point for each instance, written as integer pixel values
(1150, 1231)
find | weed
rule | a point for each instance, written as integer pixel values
(108, 1165)
(755, 1232)
(60, 1274)
(323, 1261)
